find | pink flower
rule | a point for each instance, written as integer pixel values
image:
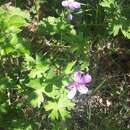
(82, 78)
(71, 4)
(80, 82)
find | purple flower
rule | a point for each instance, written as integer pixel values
(80, 82)
(82, 78)
(71, 4)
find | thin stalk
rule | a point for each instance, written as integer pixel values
(37, 5)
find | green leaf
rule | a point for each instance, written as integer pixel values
(29, 59)
(36, 98)
(35, 84)
(64, 105)
(69, 67)
(53, 106)
(59, 109)
(107, 3)
(116, 29)
(41, 66)
(41, 63)
(12, 11)
(17, 21)
(13, 18)
(126, 32)
(14, 39)
(120, 24)
(35, 73)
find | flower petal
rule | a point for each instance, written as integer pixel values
(87, 78)
(82, 89)
(71, 0)
(77, 74)
(74, 5)
(72, 85)
(78, 77)
(72, 93)
(65, 3)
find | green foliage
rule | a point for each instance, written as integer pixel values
(68, 68)
(109, 4)
(11, 21)
(12, 17)
(35, 97)
(52, 26)
(40, 49)
(115, 18)
(59, 107)
(39, 66)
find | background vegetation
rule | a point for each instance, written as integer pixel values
(40, 49)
